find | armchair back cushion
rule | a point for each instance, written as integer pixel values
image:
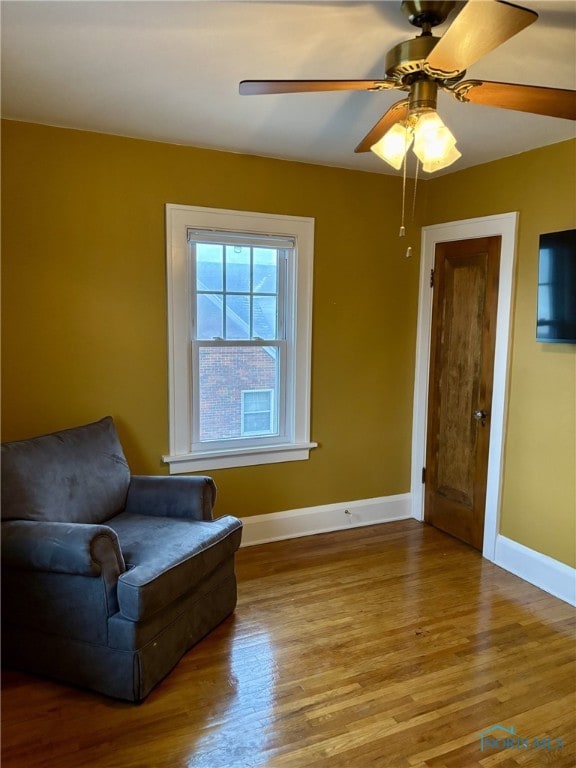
(78, 475)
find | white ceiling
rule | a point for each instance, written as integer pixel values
(169, 71)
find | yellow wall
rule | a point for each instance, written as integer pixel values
(84, 312)
(84, 304)
(539, 489)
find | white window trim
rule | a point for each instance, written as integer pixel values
(182, 458)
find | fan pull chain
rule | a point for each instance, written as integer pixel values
(415, 186)
(402, 232)
(408, 253)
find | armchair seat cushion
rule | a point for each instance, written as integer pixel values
(166, 558)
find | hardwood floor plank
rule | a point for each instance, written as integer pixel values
(391, 646)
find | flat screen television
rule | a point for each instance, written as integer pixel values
(556, 317)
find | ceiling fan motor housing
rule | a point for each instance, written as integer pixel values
(423, 96)
(427, 13)
(408, 57)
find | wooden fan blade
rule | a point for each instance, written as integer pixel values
(395, 114)
(265, 87)
(554, 102)
(478, 29)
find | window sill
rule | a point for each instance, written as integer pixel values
(246, 457)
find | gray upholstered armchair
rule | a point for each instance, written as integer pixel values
(107, 578)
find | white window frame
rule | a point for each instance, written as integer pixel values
(183, 455)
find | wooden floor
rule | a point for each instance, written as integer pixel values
(393, 645)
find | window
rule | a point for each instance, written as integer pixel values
(239, 295)
(239, 339)
(258, 417)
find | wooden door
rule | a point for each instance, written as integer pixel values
(465, 281)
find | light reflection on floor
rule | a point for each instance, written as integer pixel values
(237, 737)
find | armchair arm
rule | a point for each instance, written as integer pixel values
(189, 496)
(73, 548)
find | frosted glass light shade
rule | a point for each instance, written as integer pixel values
(435, 165)
(434, 144)
(393, 145)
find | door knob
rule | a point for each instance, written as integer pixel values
(481, 417)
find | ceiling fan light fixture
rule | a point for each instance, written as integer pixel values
(393, 146)
(426, 64)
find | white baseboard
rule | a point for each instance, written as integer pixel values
(550, 575)
(293, 523)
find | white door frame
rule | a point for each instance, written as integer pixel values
(504, 225)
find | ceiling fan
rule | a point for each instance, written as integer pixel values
(424, 64)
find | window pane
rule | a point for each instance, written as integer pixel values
(238, 317)
(224, 373)
(209, 265)
(265, 313)
(237, 268)
(257, 423)
(209, 321)
(257, 401)
(265, 270)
